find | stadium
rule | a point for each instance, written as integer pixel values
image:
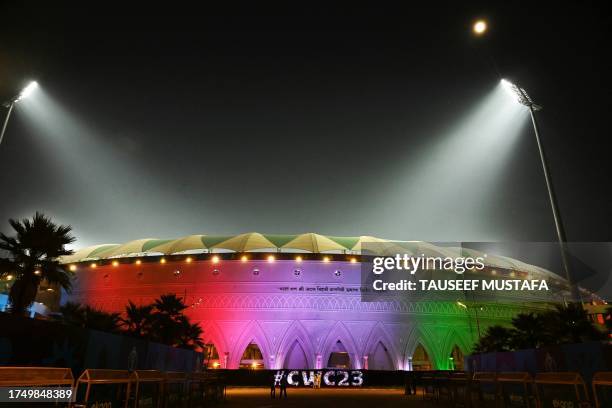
(294, 301)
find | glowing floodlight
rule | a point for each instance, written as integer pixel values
(23, 94)
(27, 91)
(480, 27)
(520, 94)
(523, 98)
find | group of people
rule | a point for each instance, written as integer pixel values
(281, 383)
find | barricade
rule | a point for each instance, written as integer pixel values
(426, 381)
(561, 389)
(442, 386)
(103, 387)
(149, 388)
(460, 389)
(204, 387)
(602, 389)
(516, 390)
(47, 377)
(484, 391)
(175, 390)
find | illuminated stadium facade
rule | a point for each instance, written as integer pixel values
(290, 301)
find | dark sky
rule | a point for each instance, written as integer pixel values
(344, 121)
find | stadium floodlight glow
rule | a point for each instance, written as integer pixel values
(25, 92)
(522, 97)
(520, 94)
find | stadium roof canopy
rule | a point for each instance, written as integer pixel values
(299, 243)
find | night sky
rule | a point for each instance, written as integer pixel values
(343, 121)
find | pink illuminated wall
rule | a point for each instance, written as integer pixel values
(298, 313)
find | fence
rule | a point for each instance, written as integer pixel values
(602, 389)
(122, 388)
(34, 377)
(561, 390)
(152, 388)
(513, 389)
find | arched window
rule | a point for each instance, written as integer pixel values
(211, 356)
(295, 357)
(252, 357)
(456, 359)
(380, 359)
(339, 357)
(420, 359)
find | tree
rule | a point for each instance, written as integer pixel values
(72, 313)
(562, 325)
(530, 331)
(191, 336)
(168, 321)
(137, 320)
(33, 257)
(497, 338)
(571, 324)
(163, 321)
(90, 318)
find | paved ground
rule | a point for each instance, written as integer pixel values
(323, 398)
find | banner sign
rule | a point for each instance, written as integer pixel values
(317, 378)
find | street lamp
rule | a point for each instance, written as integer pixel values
(25, 92)
(523, 98)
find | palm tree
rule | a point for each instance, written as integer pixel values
(170, 326)
(571, 324)
(497, 338)
(88, 317)
(529, 331)
(191, 336)
(170, 305)
(100, 320)
(73, 313)
(167, 320)
(137, 320)
(33, 257)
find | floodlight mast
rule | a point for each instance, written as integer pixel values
(524, 99)
(25, 92)
(6, 119)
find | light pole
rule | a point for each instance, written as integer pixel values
(25, 92)
(523, 98)
(467, 310)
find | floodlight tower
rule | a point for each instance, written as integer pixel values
(25, 92)
(523, 98)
